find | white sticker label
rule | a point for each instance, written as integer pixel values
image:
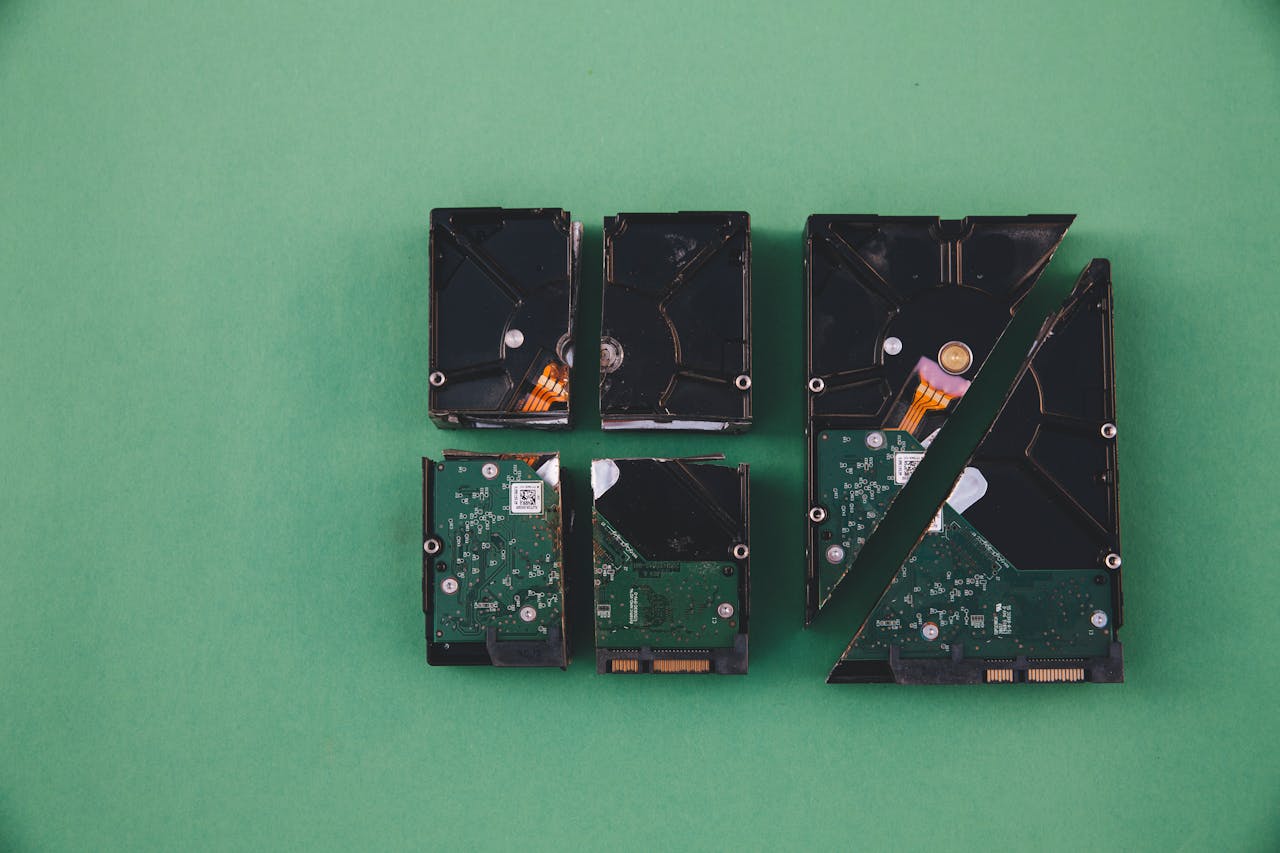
(904, 465)
(935, 526)
(526, 498)
(1003, 622)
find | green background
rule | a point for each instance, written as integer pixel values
(213, 362)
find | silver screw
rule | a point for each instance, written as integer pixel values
(743, 382)
(740, 551)
(528, 614)
(449, 586)
(611, 355)
(564, 349)
(725, 610)
(817, 515)
(436, 378)
(875, 440)
(489, 470)
(835, 554)
(1113, 560)
(892, 346)
(1098, 619)
(929, 631)
(514, 338)
(431, 546)
(1108, 430)
(816, 385)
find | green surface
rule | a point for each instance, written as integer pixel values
(213, 257)
(502, 560)
(954, 578)
(666, 605)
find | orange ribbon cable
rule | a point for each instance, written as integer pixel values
(552, 387)
(927, 399)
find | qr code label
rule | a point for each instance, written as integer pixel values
(526, 498)
(904, 465)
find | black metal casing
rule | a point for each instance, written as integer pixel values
(922, 280)
(1051, 463)
(676, 321)
(504, 286)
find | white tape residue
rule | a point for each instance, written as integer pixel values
(604, 474)
(549, 471)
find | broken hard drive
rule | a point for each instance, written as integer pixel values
(503, 296)
(672, 565)
(493, 565)
(675, 338)
(901, 314)
(1017, 578)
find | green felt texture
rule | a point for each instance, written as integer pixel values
(213, 359)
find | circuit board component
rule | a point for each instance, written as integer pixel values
(671, 566)
(956, 590)
(493, 567)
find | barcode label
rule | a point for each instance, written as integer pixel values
(526, 498)
(904, 465)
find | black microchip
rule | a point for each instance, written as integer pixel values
(503, 295)
(675, 339)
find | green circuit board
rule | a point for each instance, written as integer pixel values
(501, 561)
(664, 605)
(955, 588)
(856, 484)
